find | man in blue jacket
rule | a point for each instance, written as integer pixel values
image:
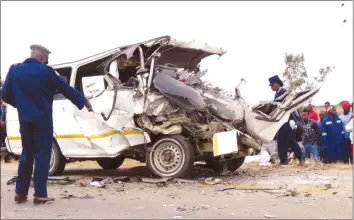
(286, 136)
(30, 87)
(332, 133)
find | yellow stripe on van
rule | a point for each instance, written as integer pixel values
(14, 138)
(98, 136)
(93, 137)
(69, 136)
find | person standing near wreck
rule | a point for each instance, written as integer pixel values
(322, 147)
(345, 117)
(312, 114)
(30, 87)
(309, 132)
(286, 136)
(332, 134)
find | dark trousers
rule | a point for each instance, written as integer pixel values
(286, 138)
(347, 153)
(37, 140)
(323, 154)
(2, 136)
(335, 151)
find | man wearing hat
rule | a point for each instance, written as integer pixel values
(332, 134)
(286, 136)
(345, 117)
(30, 87)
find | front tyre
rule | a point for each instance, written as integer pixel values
(171, 156)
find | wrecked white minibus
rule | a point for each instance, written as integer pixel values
(150, 104)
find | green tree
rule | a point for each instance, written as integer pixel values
(323, 74)
(295, 74)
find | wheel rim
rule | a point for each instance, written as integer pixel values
(52, 161)
(167, 158)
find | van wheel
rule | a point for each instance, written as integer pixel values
(111, 163)
(232, 164)
(171, 156)
(57, 161)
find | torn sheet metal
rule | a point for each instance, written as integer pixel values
(179, 90)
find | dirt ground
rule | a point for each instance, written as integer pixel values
(249, 193)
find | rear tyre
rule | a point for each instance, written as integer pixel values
(111, 163)
(171, 156)
(57, 161)
(232, 164)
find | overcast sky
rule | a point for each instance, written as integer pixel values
(256, 35)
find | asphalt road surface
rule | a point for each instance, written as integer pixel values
(279, 193)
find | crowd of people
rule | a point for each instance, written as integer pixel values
(325, 135)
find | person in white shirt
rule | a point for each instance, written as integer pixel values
(349, 128)
(345, 117)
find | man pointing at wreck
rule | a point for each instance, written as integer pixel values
(30, 87)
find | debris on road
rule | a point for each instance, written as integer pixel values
(75, 197)
(153, 180)
(269, 216)
(121, 179)
(121, 189)
(334, 193)
(210, 181)
(294, 192)
(290, 192)
(184, 181)
(12, 180)
(159, 182)
(180, 209)
(98, 184)
(97, 178)
(307, 195)
(248, 187)
(327, 186)
(51, 180)
(85, 197)
(67, 196)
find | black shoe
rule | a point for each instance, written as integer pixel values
(301, 161)
(282, 163)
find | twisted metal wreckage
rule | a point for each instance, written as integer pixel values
(155, 88)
